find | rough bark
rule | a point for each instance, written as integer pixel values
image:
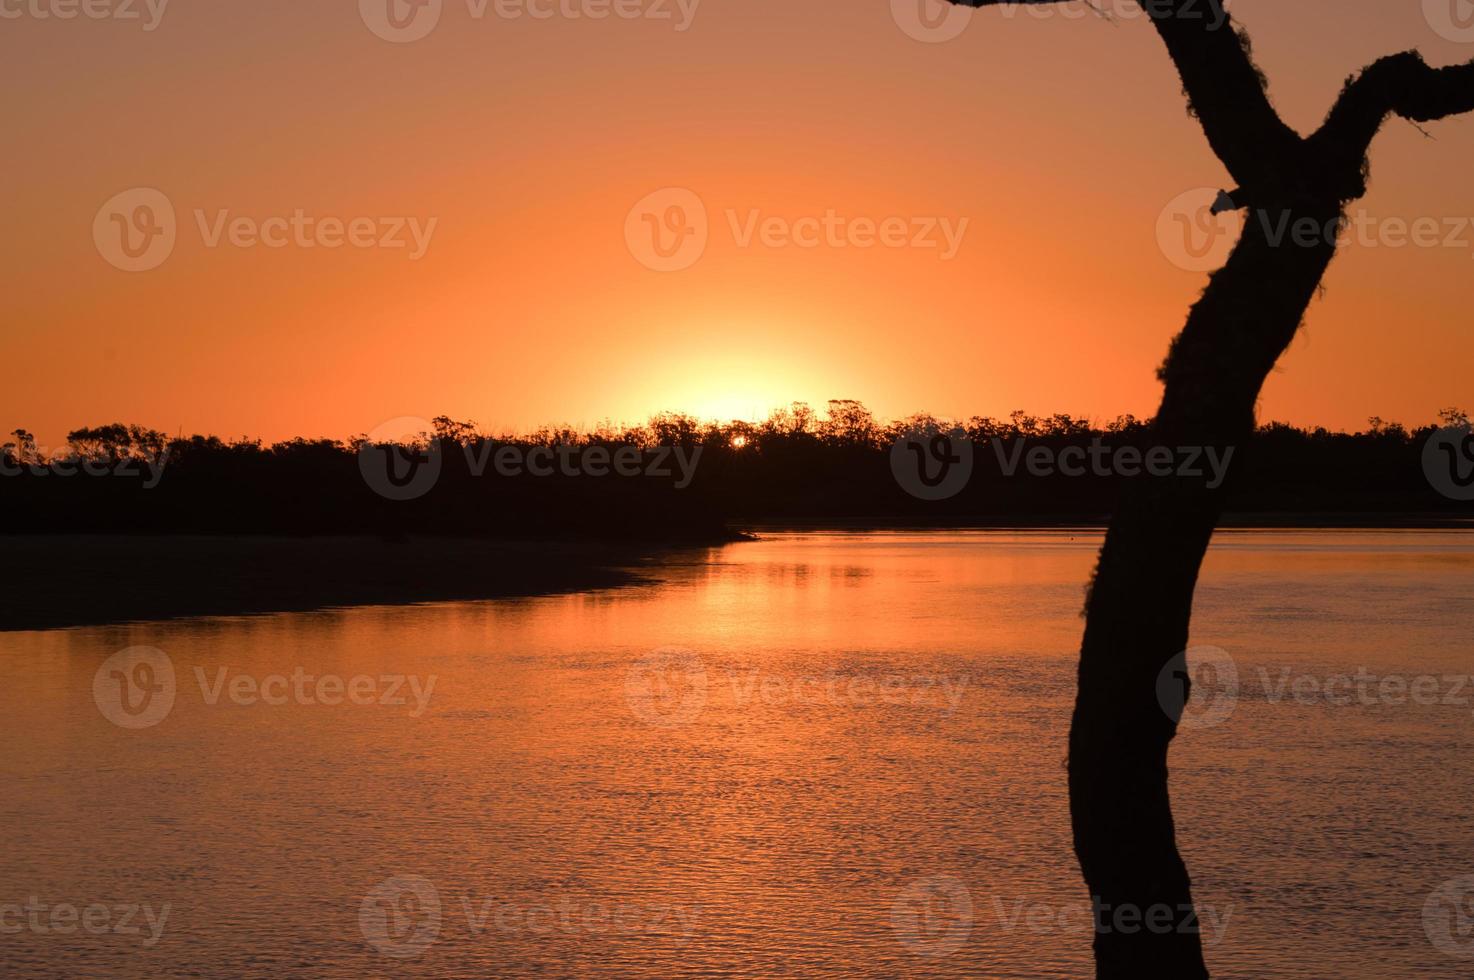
(1141, 599)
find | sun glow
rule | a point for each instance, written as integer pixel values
(743, 383)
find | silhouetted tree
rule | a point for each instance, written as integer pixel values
(849, 423)
(23, 450)
(1141, 597)
(116, 442)
(449, 430)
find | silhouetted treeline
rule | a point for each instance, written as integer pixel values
(678, 478)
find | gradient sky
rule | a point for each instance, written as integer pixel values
(1060, 138)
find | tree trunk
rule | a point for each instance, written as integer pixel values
(1141, 599)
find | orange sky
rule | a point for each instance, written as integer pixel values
(1060, 139)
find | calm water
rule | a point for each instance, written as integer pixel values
(821, 755)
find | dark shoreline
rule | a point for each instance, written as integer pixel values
(63, 581)
(1287, 521)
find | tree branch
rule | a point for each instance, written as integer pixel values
(1399, 84)
(1225, 90)
(1270, 161)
